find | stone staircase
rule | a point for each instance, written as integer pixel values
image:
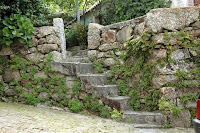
(78, 64)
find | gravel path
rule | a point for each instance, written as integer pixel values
(17, 118)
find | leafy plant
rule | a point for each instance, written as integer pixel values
(167, 107)
(75, 106)
(116, 115)
(135, 100)
(152, 100)
(16, 26)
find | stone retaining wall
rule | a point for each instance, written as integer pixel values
(105, 43)
(21, 67)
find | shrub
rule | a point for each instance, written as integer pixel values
(76, 35)
(75, 106)
(16, 26)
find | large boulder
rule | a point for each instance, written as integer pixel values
(109, 46)
(172, 68)
(180, 54)
(35, 57)
(171, 19)
(11, 75)
(124, 34)
(46, 30)
(56, 56)
(94, 35)
(6, 51)
(46, 48)
(182, 120)
(35, 41)
(109, 62)
(40, 75)
(52, 39)
(11, 90)
(163, 79)
(92, 53)
(109, 36)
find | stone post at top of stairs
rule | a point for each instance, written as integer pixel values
(58, 23)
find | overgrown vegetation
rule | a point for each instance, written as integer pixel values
(76, 35)
(118, 11)
(137, 55)
(35, 10)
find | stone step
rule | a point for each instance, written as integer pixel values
(68, 68)
(77, 48)
(105, 90)
(118, 102)
(82, 53)
(77, 59)
(84, 68)
(93, 79)
(151, 118)
(72, 68)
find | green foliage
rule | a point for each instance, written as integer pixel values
(167, 107)
(116, 115)
(75, 106)
(98, 65)
(31, 99)
(135, 100)
(16, 26)
(19, 63)
(76, 88)
(123, 88)
(3, 63)
(36, 10)
(118, 11)
(181, 80)
(105, 113)
(76, 35)
(152, 100)
(187, 98)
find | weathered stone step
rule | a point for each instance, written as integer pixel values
(150, 118)
(65, 68)
(82, 53)
(77, 59)
(118, 102)
(105, 90)
(84, 68)
(72, 68)
(93, 79)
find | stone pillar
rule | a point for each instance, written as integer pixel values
(58, 23)
(182, 3)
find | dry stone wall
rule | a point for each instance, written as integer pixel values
(26, 75)
(106, 44)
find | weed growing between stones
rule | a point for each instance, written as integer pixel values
(116, 115)
(75, 106)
